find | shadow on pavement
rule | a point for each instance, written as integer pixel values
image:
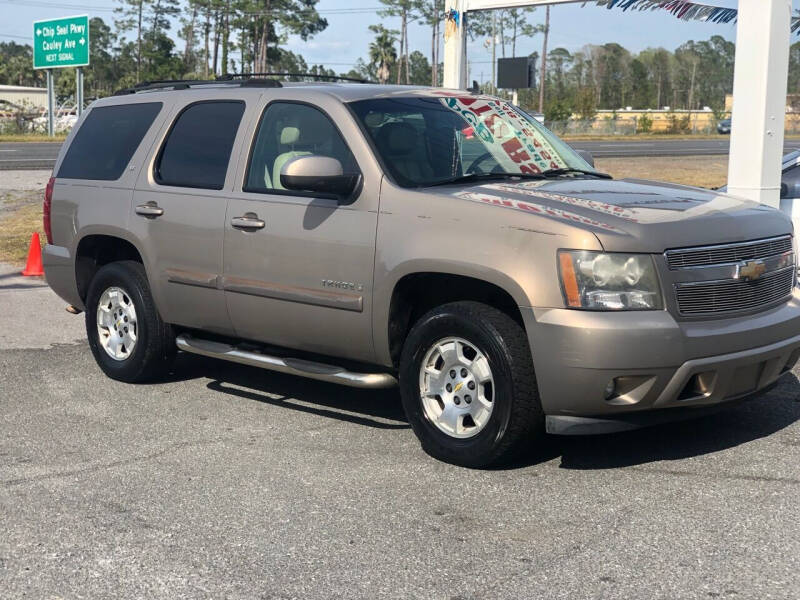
(19, 282)
(370, 408)
(752, 420)
(731, 427)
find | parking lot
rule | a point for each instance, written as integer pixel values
(226, 481)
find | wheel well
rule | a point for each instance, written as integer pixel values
(416, 294)
(94, 251)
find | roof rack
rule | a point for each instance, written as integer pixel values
(185, 84)
(316, 76)
(241, 79)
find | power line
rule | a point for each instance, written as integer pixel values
(39, 4)
(18, 37)
(89, 7)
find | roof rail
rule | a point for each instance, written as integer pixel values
(185, 84)
(316, 76)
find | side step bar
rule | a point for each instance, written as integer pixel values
(290, 366)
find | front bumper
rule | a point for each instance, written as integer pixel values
(655, 361)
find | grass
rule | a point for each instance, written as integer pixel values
(651, 137)
(16, 228)
(23, 213)
(32, 137)
(700, 171)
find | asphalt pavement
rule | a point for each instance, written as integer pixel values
(42, 155)
(28, 155)
(619, 149)
(225, 481)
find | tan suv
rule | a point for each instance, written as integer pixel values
(361, 234)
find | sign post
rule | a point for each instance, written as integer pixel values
(51, 88)
(59, 43)
(79, 89)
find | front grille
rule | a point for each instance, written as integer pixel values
(728, 253)
(732, 295)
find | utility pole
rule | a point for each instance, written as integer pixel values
(658, 96)
(691, 87)
(543, 74)
(494, 52)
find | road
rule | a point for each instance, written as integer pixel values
(28, 155)
(612, 149)
(227, 481)
(42, 155)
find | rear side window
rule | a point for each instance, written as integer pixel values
(198, 147)
(106, 141)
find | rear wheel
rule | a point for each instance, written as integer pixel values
(127, 337)
(468, 385)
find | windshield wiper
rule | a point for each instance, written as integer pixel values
(469, 177)
(569, 170)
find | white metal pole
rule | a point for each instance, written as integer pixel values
(51, 103)
(455, 45)
(759, 106)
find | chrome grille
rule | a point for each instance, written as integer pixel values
(731, 295)
(727, 253)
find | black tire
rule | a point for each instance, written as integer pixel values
(516, 419)
(155, 344)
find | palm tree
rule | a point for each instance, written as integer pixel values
(382, 55)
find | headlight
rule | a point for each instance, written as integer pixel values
(600, 281)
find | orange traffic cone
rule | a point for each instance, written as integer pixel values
(33, 268)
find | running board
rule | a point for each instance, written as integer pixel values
(290, 366)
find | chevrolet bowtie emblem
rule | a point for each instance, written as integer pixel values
(751, 270)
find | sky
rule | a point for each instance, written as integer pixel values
(347, 36)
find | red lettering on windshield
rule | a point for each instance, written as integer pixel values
(515, 151)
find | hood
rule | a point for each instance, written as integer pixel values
(633, 215)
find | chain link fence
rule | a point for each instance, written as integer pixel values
(671, 123)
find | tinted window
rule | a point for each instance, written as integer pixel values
(106, 141)
(198, 148)
(429, 140)
(289, 130)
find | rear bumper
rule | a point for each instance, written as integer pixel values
(654, 361)
(59, 271)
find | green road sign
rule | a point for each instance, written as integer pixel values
(61, 43)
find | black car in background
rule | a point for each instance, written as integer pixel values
(724, 126)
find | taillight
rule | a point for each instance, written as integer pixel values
(48, 202)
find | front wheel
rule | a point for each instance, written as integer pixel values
(468, 385)
(127, 337)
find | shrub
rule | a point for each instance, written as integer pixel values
(558, 111)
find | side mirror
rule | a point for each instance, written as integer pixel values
(586, 155)
(784, 190)
(321, 174)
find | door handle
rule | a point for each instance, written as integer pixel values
(248, 221)
(149, 209)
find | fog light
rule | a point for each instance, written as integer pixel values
(611, 389)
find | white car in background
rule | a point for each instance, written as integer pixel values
(790, 187)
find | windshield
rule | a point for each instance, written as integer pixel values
(423, 141)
